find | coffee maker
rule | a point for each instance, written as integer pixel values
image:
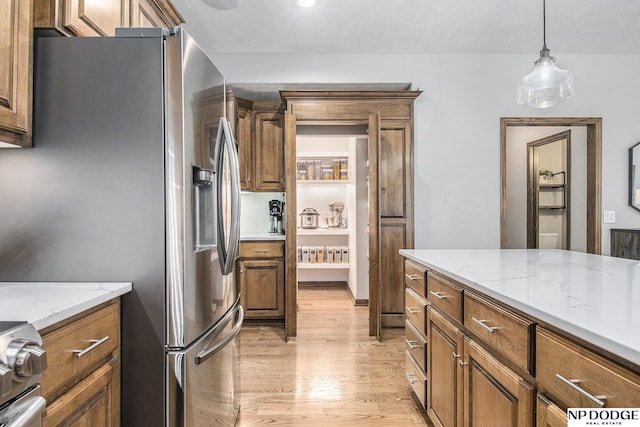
(276, 211)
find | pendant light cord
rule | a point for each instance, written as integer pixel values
(544, 23)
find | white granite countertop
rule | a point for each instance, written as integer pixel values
(263, 236)
(595, 298)
(46, 303)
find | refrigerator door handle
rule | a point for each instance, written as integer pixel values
(228, 249)
(219, 345)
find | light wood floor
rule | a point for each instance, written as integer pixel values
(332, 374)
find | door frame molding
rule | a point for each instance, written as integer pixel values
(594, 171)
(312, 107)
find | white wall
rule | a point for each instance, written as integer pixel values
(457, 126)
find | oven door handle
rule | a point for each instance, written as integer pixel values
(208, 352)
(32, 411)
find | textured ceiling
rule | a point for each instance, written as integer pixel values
(414, 26)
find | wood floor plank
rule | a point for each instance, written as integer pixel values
(333, 372)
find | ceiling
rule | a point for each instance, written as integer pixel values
(414, 26)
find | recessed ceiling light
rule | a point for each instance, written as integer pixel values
(306, 3)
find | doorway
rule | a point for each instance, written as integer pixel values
(549, 192)
(332, 208)
(592, 170)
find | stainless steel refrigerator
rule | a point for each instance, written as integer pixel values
(134, 176)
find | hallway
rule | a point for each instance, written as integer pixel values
(333, 373)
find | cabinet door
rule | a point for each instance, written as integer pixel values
(494, 395)
(94, 17)
(94, 402)
(395, 221)
(262, 288)
(269, 152)
(145, 15)
(15, 72)
(548, 414)
(444, 374)
(394, 166)
(245, 146)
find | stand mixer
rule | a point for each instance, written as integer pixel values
(276, 212)
(336, 220)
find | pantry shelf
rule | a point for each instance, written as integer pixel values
(323, 231)
(323, 266)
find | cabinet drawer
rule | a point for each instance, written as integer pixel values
(445, 296)
(505, 332)
(76, 349)
(266, 249)
(415, 310)
(416, 344)
(414, 277)
(417, 378)
(581, 378)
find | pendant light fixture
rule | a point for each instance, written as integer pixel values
(546, 85)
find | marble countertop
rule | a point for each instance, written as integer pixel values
(262, 236)
(595, 298)
(46, 303)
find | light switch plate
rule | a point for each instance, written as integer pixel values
(609, 217)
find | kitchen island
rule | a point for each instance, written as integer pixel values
(512, 329)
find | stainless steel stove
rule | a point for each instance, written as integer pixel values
(22, 363)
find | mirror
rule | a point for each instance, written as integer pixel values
(634, 176)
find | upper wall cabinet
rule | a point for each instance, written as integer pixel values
(81, 17)
(259, 129)
(15, 72)
(154, 13)
(269, 149)
(102, 17)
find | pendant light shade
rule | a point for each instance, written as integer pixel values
(546, 85)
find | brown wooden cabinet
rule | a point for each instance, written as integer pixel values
(82, 381)
(269, 148)
(625, 243)
(261, 279)
(548, 414)
(244, 125)
(494, 395)
(467, 385)
(444, 373)
(259, 131)
(81, 17)
(486, 360)
(154, 13)
(16, 34)
(102, 17)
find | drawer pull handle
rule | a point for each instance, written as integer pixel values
(412, 276)
(261, 250)
(410, 376)
(94, 344)
(411, 310)
(439, 295)
(461, 363)
(413, 344)
(454, 355)
(598, 400)
(482, 323)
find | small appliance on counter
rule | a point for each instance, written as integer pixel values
(309, 218)
(335, 220)
(276, 211)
